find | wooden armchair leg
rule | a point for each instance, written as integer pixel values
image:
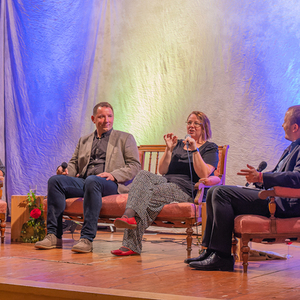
(245, 254)
(189, 239)
(2, 225)
(234, 248)
(203, 216)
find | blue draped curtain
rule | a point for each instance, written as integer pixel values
(155, 62)
(49, 55)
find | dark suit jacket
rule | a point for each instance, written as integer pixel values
(287, 176)
(122, 158)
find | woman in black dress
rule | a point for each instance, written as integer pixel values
(150, 192)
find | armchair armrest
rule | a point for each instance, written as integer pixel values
(276, 191)
(280, 191)
(210, 181)
(205, 183)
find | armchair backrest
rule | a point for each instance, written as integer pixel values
(150, 155)
(221, 169)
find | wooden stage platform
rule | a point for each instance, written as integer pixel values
(159, 273)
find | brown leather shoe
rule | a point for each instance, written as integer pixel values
(50, 241)
(83, 246)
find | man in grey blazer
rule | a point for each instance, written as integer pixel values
(104, 163)
(225, 202)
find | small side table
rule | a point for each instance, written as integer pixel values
(19, 214)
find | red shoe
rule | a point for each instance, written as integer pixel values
(119, 252)
(125, 222)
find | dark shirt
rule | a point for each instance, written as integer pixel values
(283, 160)
(179, 171)
(2, 168)
(98, 154)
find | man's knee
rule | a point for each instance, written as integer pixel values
(93, 181)
(213, 190)
(216, 192)
(54, 180)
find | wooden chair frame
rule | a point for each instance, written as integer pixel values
(167, 217)
(274, 234)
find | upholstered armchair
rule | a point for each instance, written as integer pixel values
(176, 215)
(261, 229)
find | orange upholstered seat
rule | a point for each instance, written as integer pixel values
(178, 215)
(267, 230)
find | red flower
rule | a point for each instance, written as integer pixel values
(35, 213)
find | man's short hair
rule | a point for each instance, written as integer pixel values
(295, 117)
(101, 104)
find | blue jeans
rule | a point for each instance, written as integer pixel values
(92, 189)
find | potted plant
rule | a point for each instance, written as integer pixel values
(34, 229)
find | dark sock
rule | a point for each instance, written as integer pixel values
(223, 254)
(209, 251)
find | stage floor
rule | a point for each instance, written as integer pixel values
(158, 273)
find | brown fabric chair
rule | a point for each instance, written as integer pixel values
(267, 230)
(175, 215)
(3, 209)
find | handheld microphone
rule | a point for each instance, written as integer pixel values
(260, 168)
(187, 143)
(64, 165)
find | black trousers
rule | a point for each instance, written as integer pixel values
(223, 204)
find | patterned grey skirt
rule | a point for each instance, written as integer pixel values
(147, 196)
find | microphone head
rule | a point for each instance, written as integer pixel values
(64, 165)
(262, 166)
(187, 136)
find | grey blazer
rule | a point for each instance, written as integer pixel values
(122, 158)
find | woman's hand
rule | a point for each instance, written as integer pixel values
(191, 143)
(171, 141)
(164, 162)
